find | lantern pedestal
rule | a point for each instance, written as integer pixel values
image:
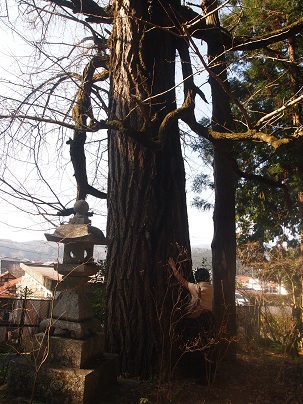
(64, 370)
(60, 384)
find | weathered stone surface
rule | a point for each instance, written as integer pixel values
(73, 305)
(68, 352)
(80, 270)
(71, 329)
(77, 232)
(62, 385)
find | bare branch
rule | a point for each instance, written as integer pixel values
(278, 111)
(22, 117)
(218, 79)
(89, 8)
(24, 195)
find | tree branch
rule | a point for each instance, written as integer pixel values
(173, 116)
(217, 78)
(28, 197)
(196, 26)
(248, 44)
(81, 112)
(277, 111)
(261, 179)
(257, 136)
(89, 8)
(39, 119)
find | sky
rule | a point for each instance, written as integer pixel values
(17, 225)
(200, 227)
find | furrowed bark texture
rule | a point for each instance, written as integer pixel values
(147, 211)
(224, 239)
(294, 80)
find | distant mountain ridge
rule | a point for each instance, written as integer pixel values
(40, 250)
(201, 257)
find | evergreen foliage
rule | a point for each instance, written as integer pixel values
(269, 178)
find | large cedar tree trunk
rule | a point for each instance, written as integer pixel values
(147, 211)
(224, 239)
(295, 121)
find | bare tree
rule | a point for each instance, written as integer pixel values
(114, 70)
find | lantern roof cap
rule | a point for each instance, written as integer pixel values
(77, 233)
(79, 229)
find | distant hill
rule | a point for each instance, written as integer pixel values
(201, 257)
(40, 250)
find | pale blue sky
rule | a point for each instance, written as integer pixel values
(20, 226)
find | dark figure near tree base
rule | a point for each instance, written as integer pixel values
(198, 324)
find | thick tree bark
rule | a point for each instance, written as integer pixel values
(224, 239)
(296, 113)
(147, 211)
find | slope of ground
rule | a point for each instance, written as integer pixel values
(257, 377)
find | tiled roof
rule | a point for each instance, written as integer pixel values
(9, 288)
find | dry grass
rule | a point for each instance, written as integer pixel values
(259, 376)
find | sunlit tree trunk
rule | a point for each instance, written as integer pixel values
(147, 211)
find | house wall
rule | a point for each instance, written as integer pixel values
(36, 289)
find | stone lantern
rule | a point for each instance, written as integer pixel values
(68, 363)
(73, 315)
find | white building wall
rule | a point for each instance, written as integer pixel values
(35, 288)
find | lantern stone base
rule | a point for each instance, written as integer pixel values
(67, 352)
(75, 371)
(73, 329)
